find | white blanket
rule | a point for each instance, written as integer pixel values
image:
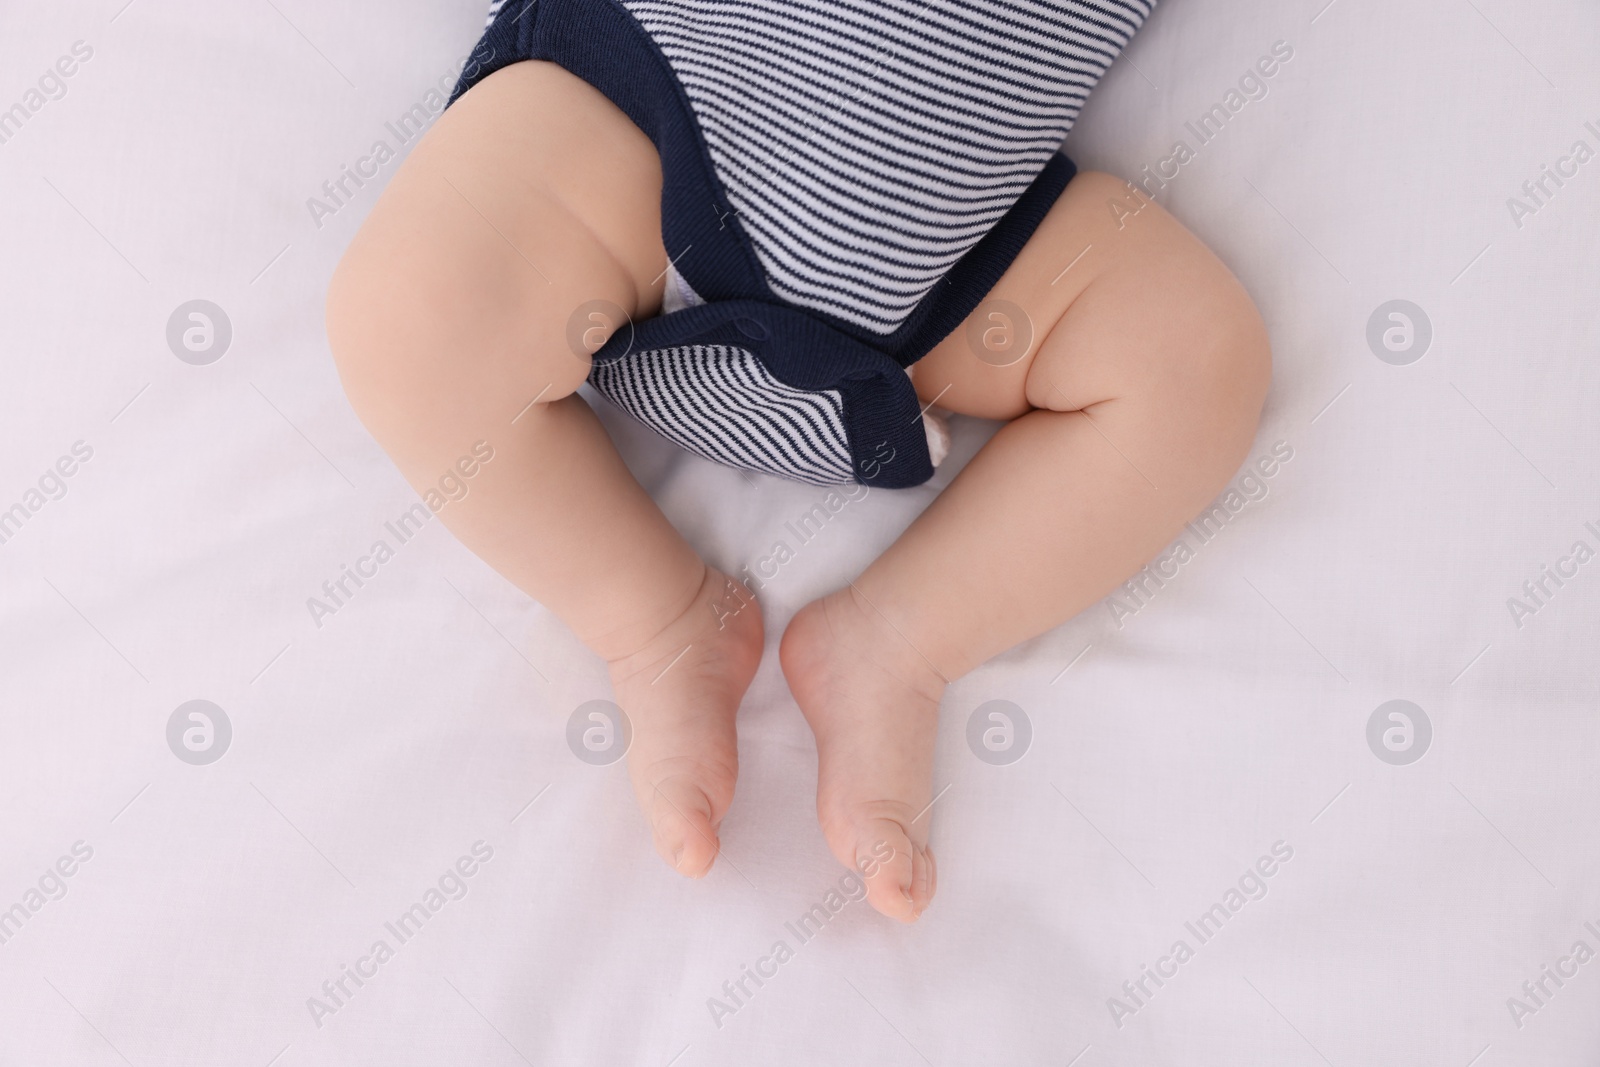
(1103, 900)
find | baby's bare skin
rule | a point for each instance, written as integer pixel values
(534, 194)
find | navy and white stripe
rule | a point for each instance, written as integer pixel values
(494, 9)
(843, 182)
(720, 402)
(867, 145)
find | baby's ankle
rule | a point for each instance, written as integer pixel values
(635, 625)
(850, 619)
(715, 608)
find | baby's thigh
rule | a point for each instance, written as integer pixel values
(1110, 298)
(532, 196)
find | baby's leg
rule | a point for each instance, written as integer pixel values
(448, 317)
(1137, 402)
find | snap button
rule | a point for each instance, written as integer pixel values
(752, 328)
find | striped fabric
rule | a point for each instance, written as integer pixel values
(866, 145)
(844, 181)
(494, 9)
(721, 403)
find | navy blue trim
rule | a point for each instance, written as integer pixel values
(947, 305)
(601, 42)
(882, 416)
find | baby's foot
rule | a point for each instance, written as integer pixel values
(681, 693)
(873, 702)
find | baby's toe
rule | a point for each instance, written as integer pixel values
(925, 882)
(684, 825)
(897, 869)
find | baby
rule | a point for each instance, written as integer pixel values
(744, 222)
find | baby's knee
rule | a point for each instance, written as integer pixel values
(1214, 402)
(1238, 364)
(379, 333)
(1199, 357)
(423, 333)
(1211, 345)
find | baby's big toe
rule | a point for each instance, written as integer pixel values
(684, 825)
(898, 871)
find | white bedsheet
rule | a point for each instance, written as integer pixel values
(1173, 746)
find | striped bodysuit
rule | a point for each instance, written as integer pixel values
(843, 183)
